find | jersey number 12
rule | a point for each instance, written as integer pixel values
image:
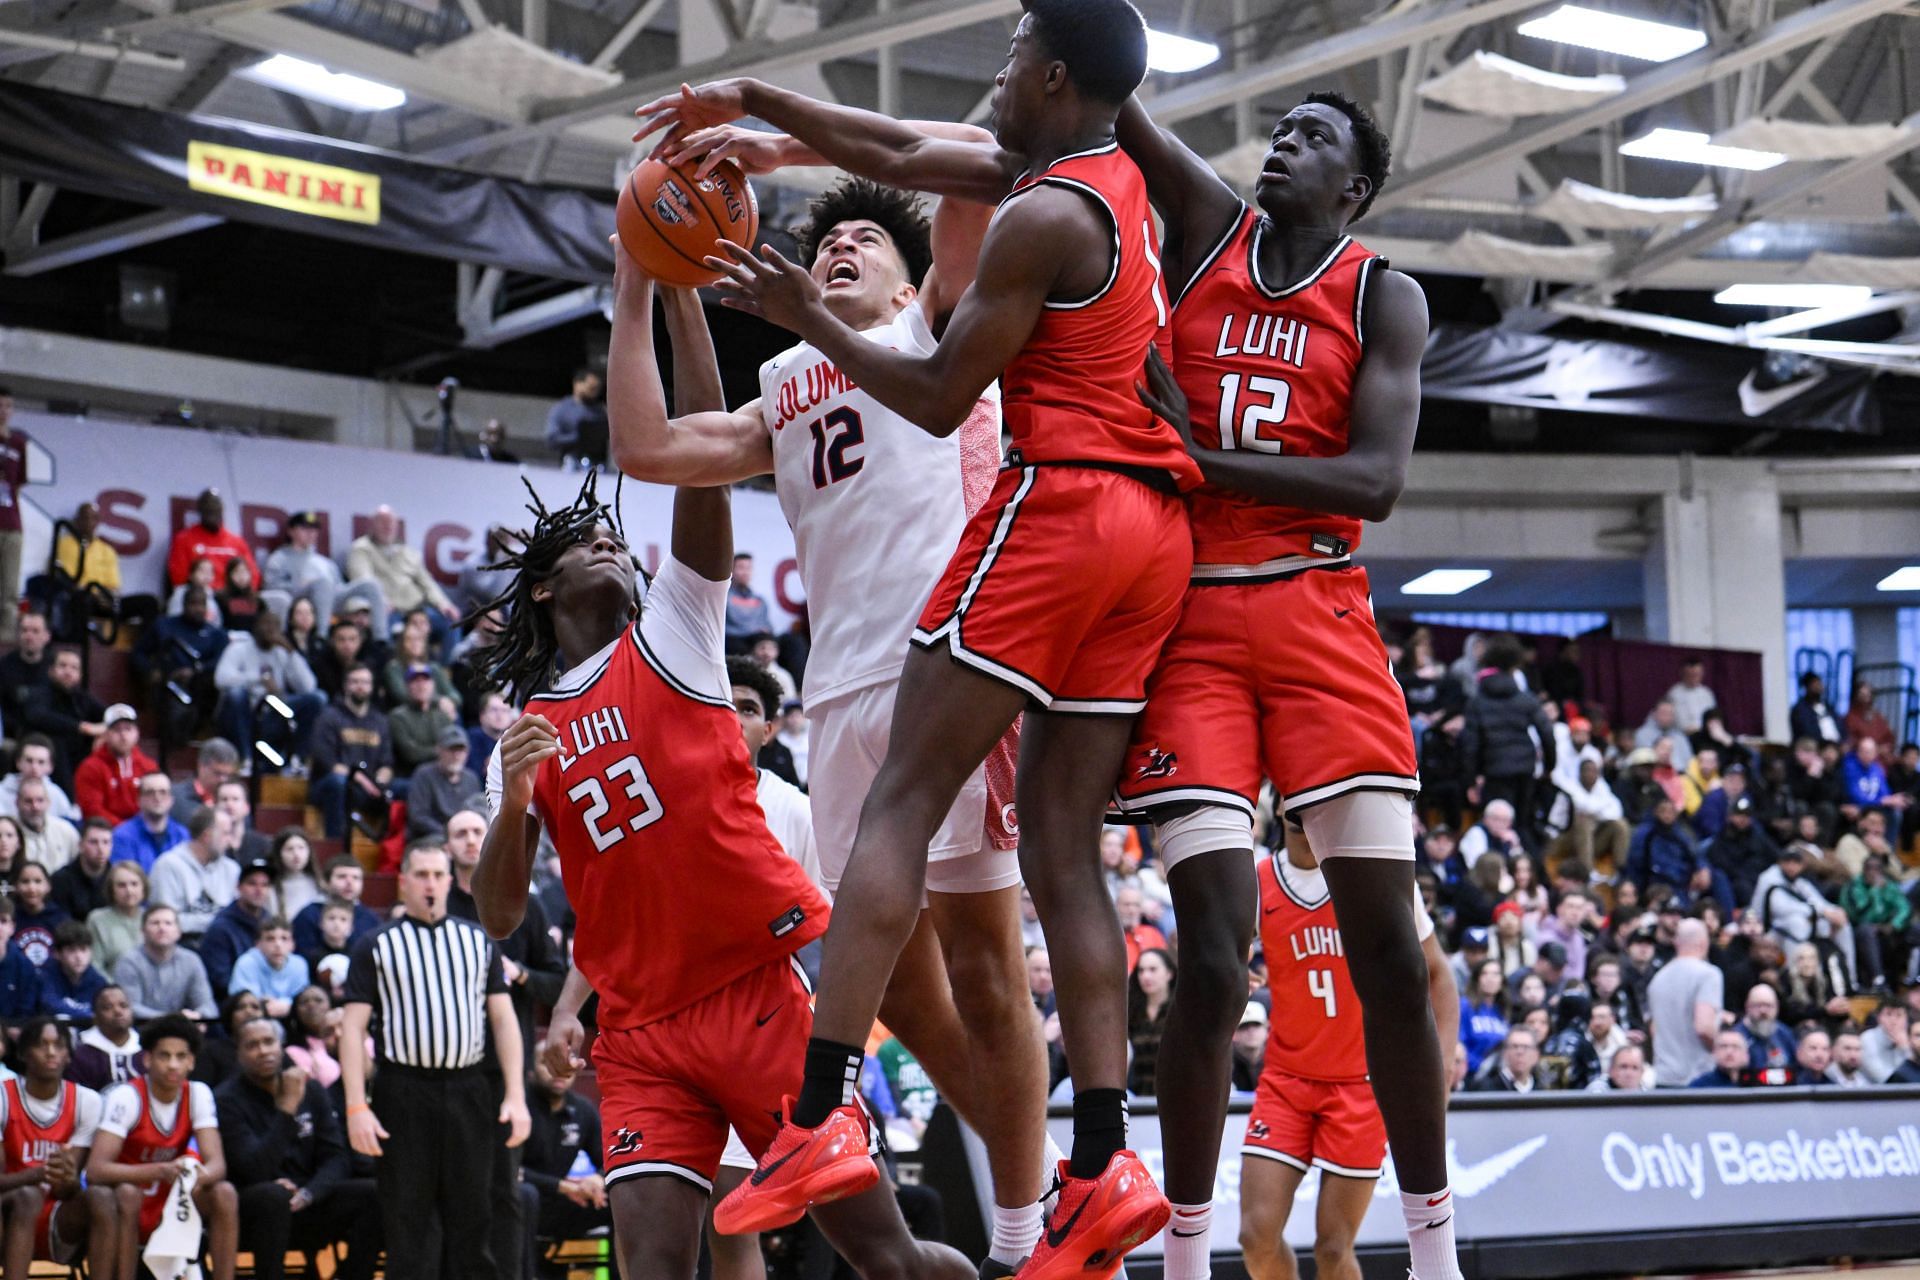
(590, 792)
(1246, 428)
(833, 435)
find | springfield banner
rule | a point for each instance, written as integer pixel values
(1688, 1161)
(146, 479)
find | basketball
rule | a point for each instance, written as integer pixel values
(669, 220)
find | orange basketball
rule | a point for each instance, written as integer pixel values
(669, 220)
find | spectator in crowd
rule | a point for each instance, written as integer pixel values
(1443, 770)
(1699, 779)
(1149, 991)
(328, 960)
(13, 477)
(52, 842)
(1431, 692)
(249, 845)
(201, 576)
(1845, 1069)
(577, 425)
(162, 977)
(117, 927)
(402, 575)
(1494, 833)
(155, 1158)
(19, 978)
(80, 886)
(1591, 818)
(566, 1127)
(1483, 1013)
(287, 1157)
(1440, 854)
(346, 648)
(1885, 935)
(1811, 717)
(1511, 947)
(177, 658)
(1718, 800)
(235, 929)
(69, 985)
(1567, 926)
(1868, 839)
(413, 650)
(1663, 725)
(315, 1036)
(270, 969)
(490, 443)
(352, 745)
(1865, 777)
(1888, 1042)
(747, 614)
(1690, 697)
(1814, 785)
(1812, 1056)
(1250, 1047)
(1792, 909)
(305, 633)
(207, 540)
(33, 758)
(61, 710)
(345, 881)
(294, 883)
(1865, 723)
(1507, 741)
(419, 724)
(1040, 979)
(24, 669)
(106, 783)
(1663, 852)
(765, 650)
(217, 761)
(1684, 1003)
(1626, 1072)
(479, 586)
(239, 595)
(219, 1060)
(1131, 907)
(1607, 984)
(1713, 733)
(197, 879)
(1769, 1044)
(794, 735)
(1636, 786)
(1606, 1034)
(34, 917)
(1728, 1068)
(258, 663)
(108, 1052)
(1742, 851)
(1517, 1069)
(495, 717)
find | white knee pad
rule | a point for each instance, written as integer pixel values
(1361, 824)
(1206, 829)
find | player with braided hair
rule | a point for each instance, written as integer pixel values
(630, 756)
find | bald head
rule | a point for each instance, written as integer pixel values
(1690, 939)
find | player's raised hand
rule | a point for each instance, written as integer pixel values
(767, 285)
(527, 741)
(1163, 395)
(754, 150)
(691, 108)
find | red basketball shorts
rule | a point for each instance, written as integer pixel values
(670, 1089)
(1286, 679)
(1065, 585)
(1310, 1124)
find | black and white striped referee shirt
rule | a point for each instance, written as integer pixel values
(428, 985)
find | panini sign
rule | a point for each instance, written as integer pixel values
(282, 182)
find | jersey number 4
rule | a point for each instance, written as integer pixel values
(1320, 986)
(590, 792)
(833, 435)
(1249, 426)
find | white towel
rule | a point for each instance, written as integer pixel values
(173, 1250)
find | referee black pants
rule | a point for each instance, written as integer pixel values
(434, 1176)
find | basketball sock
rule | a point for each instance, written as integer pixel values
(1015, 1233)
(1099, 1130)
(1429, 1216)
(1189, 1242)
(832, 1078)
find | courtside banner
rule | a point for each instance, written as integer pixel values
(1573, 1165)
(145, 480)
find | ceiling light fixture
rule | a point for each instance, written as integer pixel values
(1800, 297)
(1168, 52)
(1688, 147)
(1904, 579)
(1615, 33)
(1445, 582)
(335, 88)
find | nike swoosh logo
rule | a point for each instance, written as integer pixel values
(1435, 1226)
(1267, 911)
(1188, 1235)
(1439, 1200)
(764, 1019)
(1056, 1236)
(1341, 613)
(766, 1171)
(1470, 1180)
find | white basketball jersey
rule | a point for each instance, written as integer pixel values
(876, 504)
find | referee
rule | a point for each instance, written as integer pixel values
(436, 984)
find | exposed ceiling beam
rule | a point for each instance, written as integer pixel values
(1324, 57)
(98, 242)
(203, 15)
(207, 79)
(1645, 90)
(1820, 317)
(44, 46)
(748, 58)
(629, 32)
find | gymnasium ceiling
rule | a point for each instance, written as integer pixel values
(1564, 228)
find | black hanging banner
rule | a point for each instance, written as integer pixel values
(298, 182)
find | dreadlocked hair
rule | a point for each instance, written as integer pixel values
(526, 657)
(894, 211)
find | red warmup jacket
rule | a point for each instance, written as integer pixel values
(105, 786)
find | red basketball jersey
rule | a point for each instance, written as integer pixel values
(1316, 1031)
(1069, 395)
(678, 885)
(1269, 370)
(29, 1144)
(147, 1143)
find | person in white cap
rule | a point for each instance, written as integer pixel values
(107, 783)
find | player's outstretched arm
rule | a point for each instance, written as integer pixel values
(1366, 480)
(1195, 205)
(1031, 251)
(707, 447)
(946, 160)
(506, 855)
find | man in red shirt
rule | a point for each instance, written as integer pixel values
(207, 541)
(107, 783)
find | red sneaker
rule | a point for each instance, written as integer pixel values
(803, 1167)
(1098, 1221)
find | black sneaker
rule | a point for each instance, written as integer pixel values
(991, 1269)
